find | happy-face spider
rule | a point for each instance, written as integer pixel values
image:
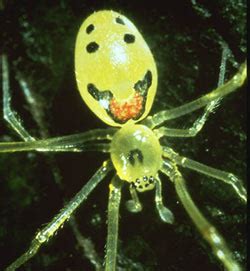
(134, 146)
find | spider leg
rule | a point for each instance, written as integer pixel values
(207, 230)
(9, 115)
(235, 82)
(35, 109)
(226, 177)
(64, 143)
(134, 205)
(171, 132)
(50, 229)
(165, 214)
(71, 143)
(113, 218)
(210, 108)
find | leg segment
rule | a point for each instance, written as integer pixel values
(113, 218)
(208, 231)
(210, 108)
(165, 214)
(226, 177)
(9, 115)
(50, 229)
(65, 143)
(88, 248)
(171, 132)
(235, 82)
(73, 143)
(134, 205)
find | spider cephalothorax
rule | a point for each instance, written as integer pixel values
(137, 155)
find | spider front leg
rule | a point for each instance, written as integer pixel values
(235, 82)
(113, 221)
(51, 228)
(226, 177)
(75, 143)
(207, 230)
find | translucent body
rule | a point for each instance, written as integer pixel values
(115, 69)
(136, 155)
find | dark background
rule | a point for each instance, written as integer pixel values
(184, 36)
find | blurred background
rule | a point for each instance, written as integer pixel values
(185, 36)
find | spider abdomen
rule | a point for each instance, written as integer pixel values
(115, 70)
(136, 154)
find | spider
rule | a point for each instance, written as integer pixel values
(117, 78)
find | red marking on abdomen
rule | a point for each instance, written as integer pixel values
(129, 109)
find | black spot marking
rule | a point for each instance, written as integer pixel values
(92, 47)
(145, 178)
(93, 91)
(90, 28)
(136, 153)
(129, 38)
(119, 20)
(99, 95)
(142, 86)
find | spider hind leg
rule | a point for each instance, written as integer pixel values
(226, 177)
(208, 231)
